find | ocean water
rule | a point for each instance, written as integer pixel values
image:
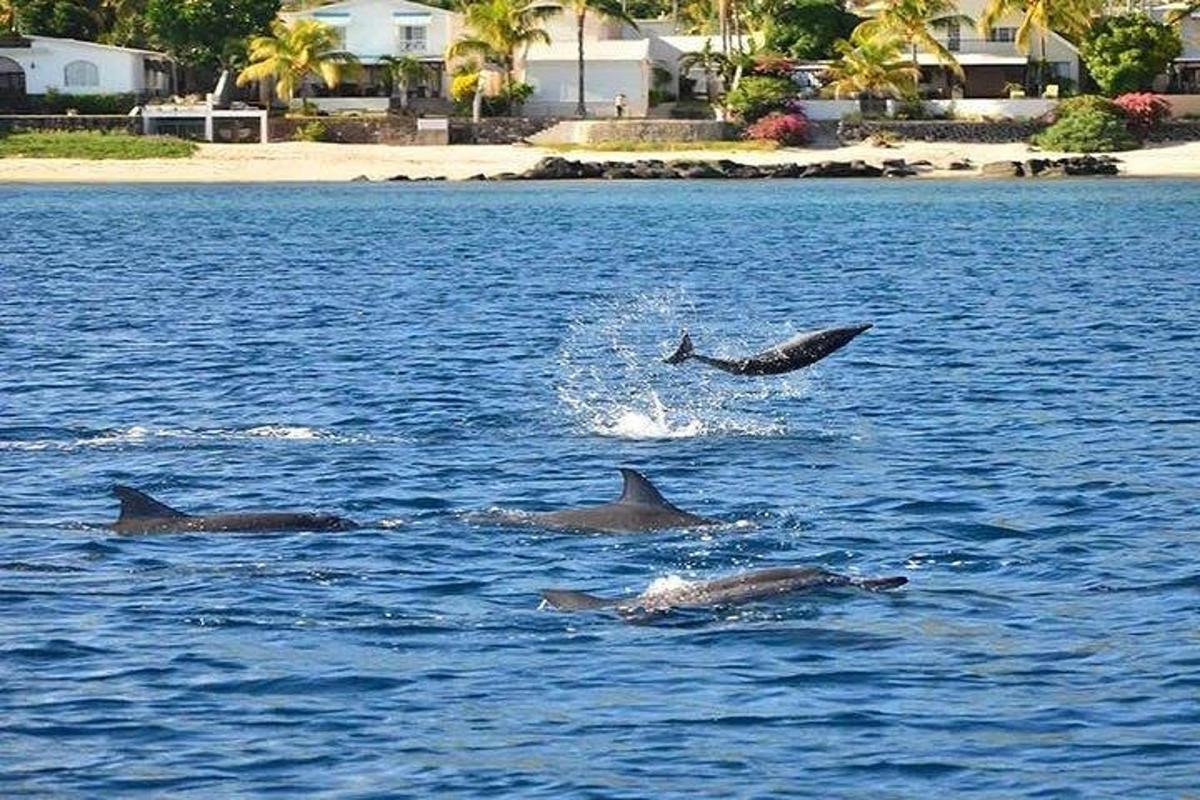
(1019, 435)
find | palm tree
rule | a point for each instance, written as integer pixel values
(710, 63)
(293, 52)
(874, 67)
(8, 18)
(499, 28)
(1071, 17)
(913, 22)
(607, 9)
(402, 72)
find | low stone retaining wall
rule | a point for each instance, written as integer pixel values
(585, 132)
(351, 130)
(941, 130)
(498, 130)
(1177, 131)
(18, 123)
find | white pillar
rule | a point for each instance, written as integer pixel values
(208, 126)
(264, 128)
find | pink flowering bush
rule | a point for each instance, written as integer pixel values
(1144, 111)
(790, 129)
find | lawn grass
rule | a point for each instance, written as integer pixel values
(664, 147)
(92, 145)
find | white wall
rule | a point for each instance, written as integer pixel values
(1023, 108)
(556, 87)
(829, 109)
(120, 71)
(370, 26)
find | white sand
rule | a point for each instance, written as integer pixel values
(306, 161)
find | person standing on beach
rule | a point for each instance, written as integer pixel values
(619, 104)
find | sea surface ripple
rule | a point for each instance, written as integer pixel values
(1019, 435)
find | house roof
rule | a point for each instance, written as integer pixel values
(51, 40)
(692, 44)
(346, 5)
(600, 50)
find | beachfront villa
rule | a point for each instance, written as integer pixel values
(619, 59)
(375, 31)
(39, 65)
(992, 64)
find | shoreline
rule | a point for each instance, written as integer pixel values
(314, 162)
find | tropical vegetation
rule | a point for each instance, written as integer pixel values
(92, 145)
(499, 30)
(874, 68)
(1087, 124)
(294, 51)
(790, 129)
(804, 29)
(1126, 52)
(755, 96)
(401, 72)
(913, 22)
(1144, 112)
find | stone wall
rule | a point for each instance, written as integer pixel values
(497, 130)
(941, 130)
(391, 129)
(1178, 131)
(69, 122)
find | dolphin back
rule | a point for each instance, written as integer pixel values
(566, 600)
(136, 505)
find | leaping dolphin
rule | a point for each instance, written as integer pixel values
(798, 352)
(640, 508)
(141, 513)
(738, 589)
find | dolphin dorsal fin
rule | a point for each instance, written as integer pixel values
(638, 489)
(138, 505)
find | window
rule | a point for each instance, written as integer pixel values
(12, 78)
(410, 39)
(1002, 34)
(81, 73)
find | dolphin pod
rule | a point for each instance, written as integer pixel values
(798, 352)
(640, 508)
(738, 589)
(141, 513)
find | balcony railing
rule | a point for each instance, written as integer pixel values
(412, 46)
(965, 44)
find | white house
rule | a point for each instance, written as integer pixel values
(375, 30)
(36, 65)
(992, 64)
(611, 67)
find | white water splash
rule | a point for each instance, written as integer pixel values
(136, 435)
(613, 382)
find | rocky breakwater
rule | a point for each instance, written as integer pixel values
(1051, 167)
(556, 168)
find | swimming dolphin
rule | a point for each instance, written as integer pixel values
(800, 351)
(640, 508)
(141, 513)
(745, 587)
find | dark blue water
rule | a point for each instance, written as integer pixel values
(1019, 436)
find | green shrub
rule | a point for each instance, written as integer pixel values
(314, 131)
(57, 103)
(1125, 53)
(1086, 130)
(1086, 103)
(759, 95)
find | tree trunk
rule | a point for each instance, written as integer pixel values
(581, 108)
(1041, 73)
(402, 87)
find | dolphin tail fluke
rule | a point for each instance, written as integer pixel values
(683, 352)
(139, 505)
(881, 584)
(565, 600)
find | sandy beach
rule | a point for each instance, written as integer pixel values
(317, 162)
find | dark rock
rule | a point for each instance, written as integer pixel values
(360, 179)
(1002, 169)
(552, 168)
(960, 166)
(786, 171)
(701, 171)
(506, 176)
(619, 174)
(899, 172)
(479, 176)
(399, 178)
(894, 163)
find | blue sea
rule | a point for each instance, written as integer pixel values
(1018, 435)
